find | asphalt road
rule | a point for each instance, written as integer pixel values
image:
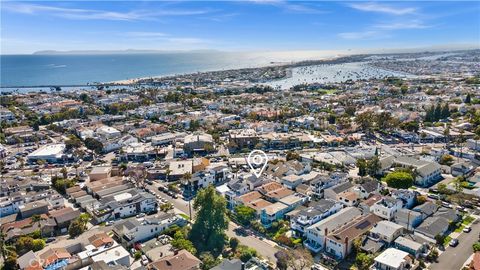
(263, 247)
(453, 258)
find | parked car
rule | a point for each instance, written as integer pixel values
(108, 223)
(141, 215)
(453, 243)
(467, 229)
(50, 239)
(144, 260)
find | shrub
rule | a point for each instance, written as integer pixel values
(399, 180)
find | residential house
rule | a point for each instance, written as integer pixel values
(274, 191)
(386, 207)
(339, 242)
(385, 231)
(431, 227)
(367, 188)
(411, 244)
(273, 212)
(291, 181)
(393, 259)
(408, 197)
(427, 209)
(134, 230)
(182, 260)
(409, 219)
(348, 198)
(333, 192)
(63, 217)
(317, 233)
(317, 211)
(427, 172)
(198, 143)
(323, 182)
(126, 204)
(100, 172)
(243, 138)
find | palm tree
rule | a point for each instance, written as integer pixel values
(36, 219)
(186, 177)
(5, 250)
(76, 169)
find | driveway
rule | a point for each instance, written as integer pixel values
(453, 258)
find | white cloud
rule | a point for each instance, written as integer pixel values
(359, 35)
(402, 25)
(289, 6)
(145, 34)
(92, 14)
(375, 7)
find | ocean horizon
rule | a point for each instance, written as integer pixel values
(82, 69)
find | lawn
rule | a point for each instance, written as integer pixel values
(468, 220)
(184, 216)
(459, 229)
(447, 240)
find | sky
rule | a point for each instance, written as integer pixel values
(258, 25)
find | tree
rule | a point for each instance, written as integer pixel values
(468, 99)
(433, 255)
(365, 120)
(439, 239)
(399, 179)
(233, 243)
(79, 225)
(64, 172)
(211, 221)
(362, 167)
(457, 183)
(36, 219)
(442, 188)
(244, 214)
(208, 261)
(10, 262)
(94, 145)
(246, 253)
(73, 142)
(373, 166)
(180, 242)
(166, 207)
(363, 261)
(26, 243)
(446, 160)
(476, 247)
(295, 259)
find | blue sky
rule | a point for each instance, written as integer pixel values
(273, 25)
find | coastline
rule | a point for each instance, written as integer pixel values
(273, 64)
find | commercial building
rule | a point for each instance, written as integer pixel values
(53, 153)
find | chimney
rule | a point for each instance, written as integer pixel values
(325, 241)
(346, 247)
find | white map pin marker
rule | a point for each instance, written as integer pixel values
(257, 160)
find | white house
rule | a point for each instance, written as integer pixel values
(135, 230)
(386, 207)
(393, 259)
(313, 214)
(291, 181)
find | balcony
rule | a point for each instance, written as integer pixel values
(313, 246)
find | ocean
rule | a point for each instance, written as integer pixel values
(82, 69)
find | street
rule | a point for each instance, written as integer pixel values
(265, 248)
(453, 258)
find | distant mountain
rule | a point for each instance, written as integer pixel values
(129, 51)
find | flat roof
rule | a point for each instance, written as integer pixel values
(48, 150)
(392, 257)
